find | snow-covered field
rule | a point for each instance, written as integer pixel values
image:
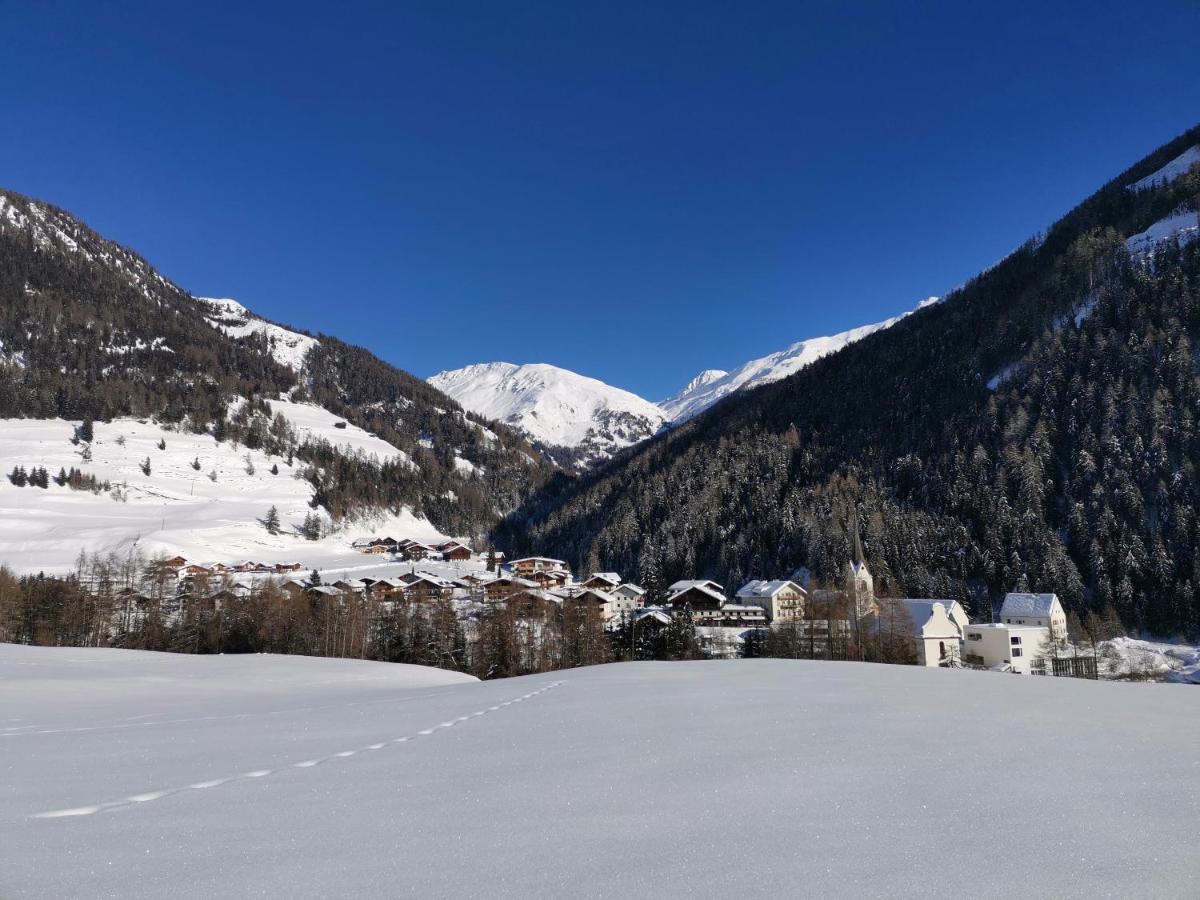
(142, 775)
(176, 508)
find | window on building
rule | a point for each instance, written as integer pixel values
(1015, 640)
(974, 636)
(1016, 651)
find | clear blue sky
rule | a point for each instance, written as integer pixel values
(636, 191)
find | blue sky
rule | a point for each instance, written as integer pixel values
(636, 191)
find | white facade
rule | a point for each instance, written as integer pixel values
(781, 600)
(860, 586)
(1002, 645)
(938, 630)
(1035, 609)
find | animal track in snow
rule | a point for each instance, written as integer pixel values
(150, 796)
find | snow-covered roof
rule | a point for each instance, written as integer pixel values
(652, 613)
(629, 588)
(513, 579)
(709, 588)
(764, 590)
(603, 596)
(1037, 605)
(537, 559)
(610, 577)
(699, 582)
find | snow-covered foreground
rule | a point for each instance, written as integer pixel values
(219, 777)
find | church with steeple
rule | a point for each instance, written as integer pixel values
(860, 584)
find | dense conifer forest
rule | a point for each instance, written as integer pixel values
(1037, 429)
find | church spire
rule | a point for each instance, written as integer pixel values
(859, 556)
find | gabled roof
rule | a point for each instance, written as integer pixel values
(922, 612)
(513, 579)
(654, 613)
(611, 577)
(630, 588)
(1036, 605)
(429, 579)
(602, 596)
(764, 590)
(699, 582)
(708, 588)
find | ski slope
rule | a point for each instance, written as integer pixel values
(142, 775)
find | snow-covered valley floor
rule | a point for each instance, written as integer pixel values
(130, 774)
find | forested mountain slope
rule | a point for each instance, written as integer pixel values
(1037, 427)
(90, 331)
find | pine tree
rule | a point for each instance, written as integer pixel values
(271, 522)
(145, 466)
(314, 578)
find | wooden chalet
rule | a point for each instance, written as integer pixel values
(531, 564)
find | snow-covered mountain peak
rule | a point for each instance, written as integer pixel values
(713, 385)
(554, 406)
(288, 347)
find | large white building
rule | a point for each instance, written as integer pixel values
(1035, 609)
(781, 600)
(1004, 646)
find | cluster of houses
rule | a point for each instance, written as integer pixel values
(416, 551)
(1029, 625)
(183, 569)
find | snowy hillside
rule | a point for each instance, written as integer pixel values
(713, 385)
(1168, 173)
(209, 514)
(144, 775)
(289, 348)
(554, 407)
(1180, 227)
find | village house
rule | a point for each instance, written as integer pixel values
(711, 608)
(428, 587)
(500, 588)
(1004, 647)
(781, 600)
(602, 601)
(631, 594)
(938, 630)
(453, 551)
(534, 604)
(531, 564)
(293, 588)
(550, 579)
(700, 593)
(387, 588)
(603, 581)
(626, 599)
(417, 551)
(1036, 609)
